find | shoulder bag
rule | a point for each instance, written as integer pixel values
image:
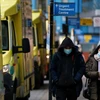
(86, 91)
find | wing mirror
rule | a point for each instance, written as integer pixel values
(25, 48)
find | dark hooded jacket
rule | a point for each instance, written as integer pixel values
(67, 70)
(92, 74)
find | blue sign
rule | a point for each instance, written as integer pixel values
(74, 21)
(78, 31)
(64, 9)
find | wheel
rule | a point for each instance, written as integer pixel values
(8, 86)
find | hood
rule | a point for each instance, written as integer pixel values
(67, 42)
(95, 51)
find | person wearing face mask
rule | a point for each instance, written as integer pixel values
(66, 69)
(93, 73)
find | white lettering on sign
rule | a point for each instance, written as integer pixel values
(66, 9)
(63, 12)
(64, 6)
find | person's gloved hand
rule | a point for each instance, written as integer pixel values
(56, 82)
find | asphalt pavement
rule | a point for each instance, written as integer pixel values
(42, 93)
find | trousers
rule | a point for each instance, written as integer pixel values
(66, 93)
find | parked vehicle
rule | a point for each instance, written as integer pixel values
(17, 48)
(2, 90)
(39, 50)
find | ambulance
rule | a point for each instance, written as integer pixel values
(2, 89)
(39, 50)
(17, 48)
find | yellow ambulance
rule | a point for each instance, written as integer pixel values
(39, 50)
(17, 45)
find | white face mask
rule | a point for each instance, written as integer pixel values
(98, 54)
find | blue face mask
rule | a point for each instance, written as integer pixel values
(67, 51)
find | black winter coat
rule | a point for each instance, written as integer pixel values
(68, 69)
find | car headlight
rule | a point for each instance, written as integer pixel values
(6, 68)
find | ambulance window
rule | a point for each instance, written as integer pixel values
(5, 36)
(13, 35)
(37, 35)
(34, 42)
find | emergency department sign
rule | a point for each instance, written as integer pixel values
(64, 9)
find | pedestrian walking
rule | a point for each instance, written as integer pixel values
(93, 73)
(67, 68)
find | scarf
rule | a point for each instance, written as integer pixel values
(97, 58)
